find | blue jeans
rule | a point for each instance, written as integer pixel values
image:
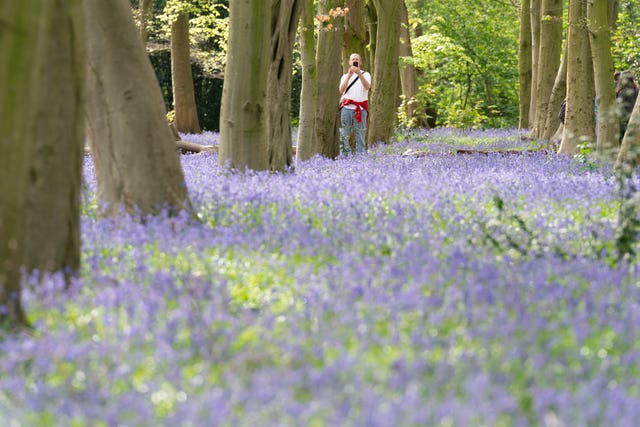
(347, 122)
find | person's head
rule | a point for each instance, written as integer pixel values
(355, 58)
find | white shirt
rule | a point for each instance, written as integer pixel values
(357, 92)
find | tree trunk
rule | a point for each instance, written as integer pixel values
(579, 119)
(382, 115)
(372, 29)
(548, 60)
(307, 145)
(20, 49)
(525, 57)
(145, 8)
(328, 58)
(355, 38)
(608, 126)
(244, 112)
(413, 109)
(184, 99)
(52, 235)
(25, 47)
(135, 156)
(558, 94)
(629, 153)
(614, 8)
(535, 52)
(284, 22)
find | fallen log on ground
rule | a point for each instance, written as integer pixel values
(423, 153)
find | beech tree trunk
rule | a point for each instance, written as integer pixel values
(614, 8)
(307, 145)
(135, 156)
(28, 65)
(284, 23)
(579, 119)
(184, 99)
(355, 38)
(534, 11)
(629, 153)
(548, 60)
(413, 109)
(52, 236)
(145, 9)
(328, 59)
(558, 94)
(608, 125)
(383, 93)
(244, 111)
(524, 64)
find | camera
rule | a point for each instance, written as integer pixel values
(355, 63)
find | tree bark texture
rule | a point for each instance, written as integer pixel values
(23, 40)
(413, 109)
(548, 60)
(608, 126)
(307, 145)
(328, 58)
(355, 38)
(524, 64)
(579, 126)
(558, 94)
(52, 239)
(244, 112)
(614, 8)
(136, 161)
(184, 99)
(534, 11)
(372, 29)
(629, 153)
(284, 23)
(145, 9)
(382, 107)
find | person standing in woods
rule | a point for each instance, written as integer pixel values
(354, 107)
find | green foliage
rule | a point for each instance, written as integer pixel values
(207, 88)
(628, 229)
(625, 48)
(507, 232)
(209, 30)
(585, 156)
(467, 61)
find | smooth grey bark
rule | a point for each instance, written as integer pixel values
(134, 152)
(328, 59)
(629, 153)
(355, 37)
(184, 99)
(52, 218)
(244, 112)
(145, 9)
(579, 126)
(600, 38)
(412, 108)
(284, 23)
(383, 95)
(548, 60)
(27, 68)
(525, 72)
(558, 94)
(534, 10)
(307, 145)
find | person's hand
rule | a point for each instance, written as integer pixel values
(354, 70)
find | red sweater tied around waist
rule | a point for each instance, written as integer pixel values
(359, 107)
